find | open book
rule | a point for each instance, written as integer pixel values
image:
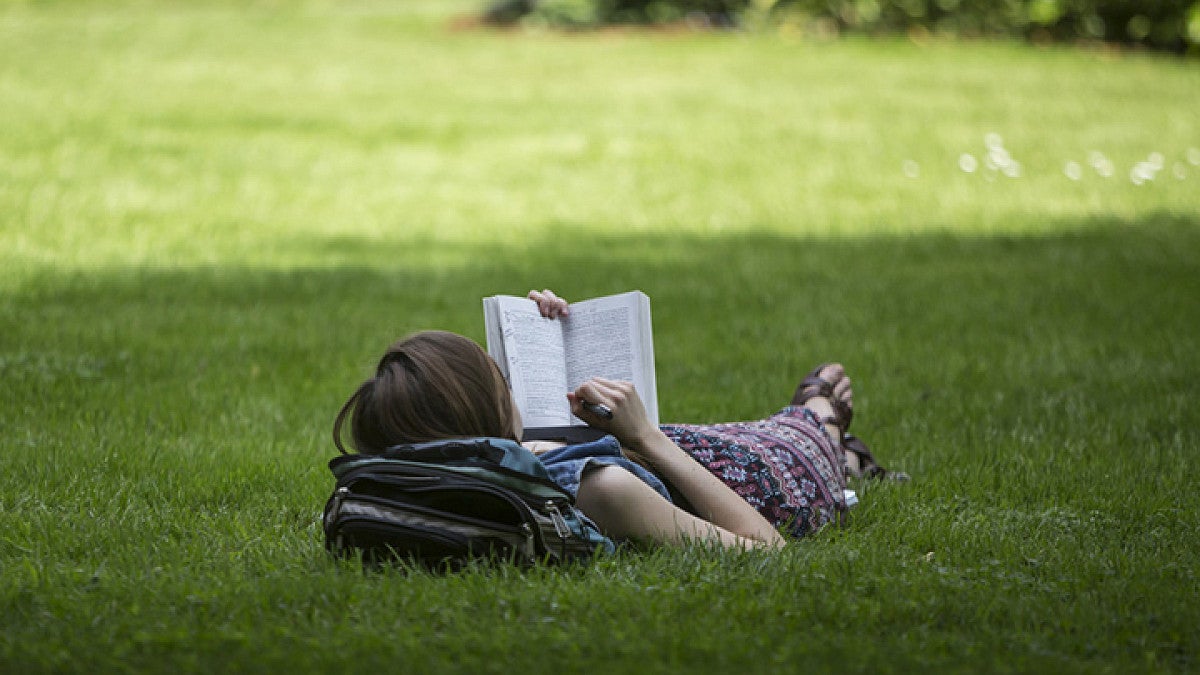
(543, 359)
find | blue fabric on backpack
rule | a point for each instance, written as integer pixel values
(566, 465)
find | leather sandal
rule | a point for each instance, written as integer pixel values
(868, 467)
(813, 385)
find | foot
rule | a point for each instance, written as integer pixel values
(860, 463)
(828, 381)
(826, 391)
(823, 406)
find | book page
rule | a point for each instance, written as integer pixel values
(598, 343)
(610, 337)
(529, 349)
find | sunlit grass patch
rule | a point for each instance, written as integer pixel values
(206, 135)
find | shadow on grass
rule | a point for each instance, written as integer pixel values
(951, 340)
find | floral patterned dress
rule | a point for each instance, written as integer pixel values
(784, 466)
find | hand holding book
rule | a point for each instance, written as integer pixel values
(628, 420)
(550, 305)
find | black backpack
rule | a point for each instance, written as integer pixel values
(442, 503)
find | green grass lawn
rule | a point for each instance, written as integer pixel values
(214, 217)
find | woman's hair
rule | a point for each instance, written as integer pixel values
(428, 386)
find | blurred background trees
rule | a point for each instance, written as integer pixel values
(1167, 25)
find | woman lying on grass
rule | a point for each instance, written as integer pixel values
(731, 484)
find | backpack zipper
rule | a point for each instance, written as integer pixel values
(560, 523)
(339, 496)
(530, 541)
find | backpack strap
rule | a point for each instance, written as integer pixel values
(447, 450)
(494, 455)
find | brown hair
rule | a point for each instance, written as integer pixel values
(428, 386)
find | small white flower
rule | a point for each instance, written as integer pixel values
(1141, 173)
(1073, 171)
(967, 162)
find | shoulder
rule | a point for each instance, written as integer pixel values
(540, 447)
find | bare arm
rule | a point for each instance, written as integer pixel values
(724, 516)
(626, 507)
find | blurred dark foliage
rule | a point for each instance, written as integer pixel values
(1166, 25)
(1157, 24)
(589, 13)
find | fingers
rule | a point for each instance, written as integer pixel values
(612, 393)
(550, 305)
(620, 398)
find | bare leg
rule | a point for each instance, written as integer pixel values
(830, 414)
(824, 410)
